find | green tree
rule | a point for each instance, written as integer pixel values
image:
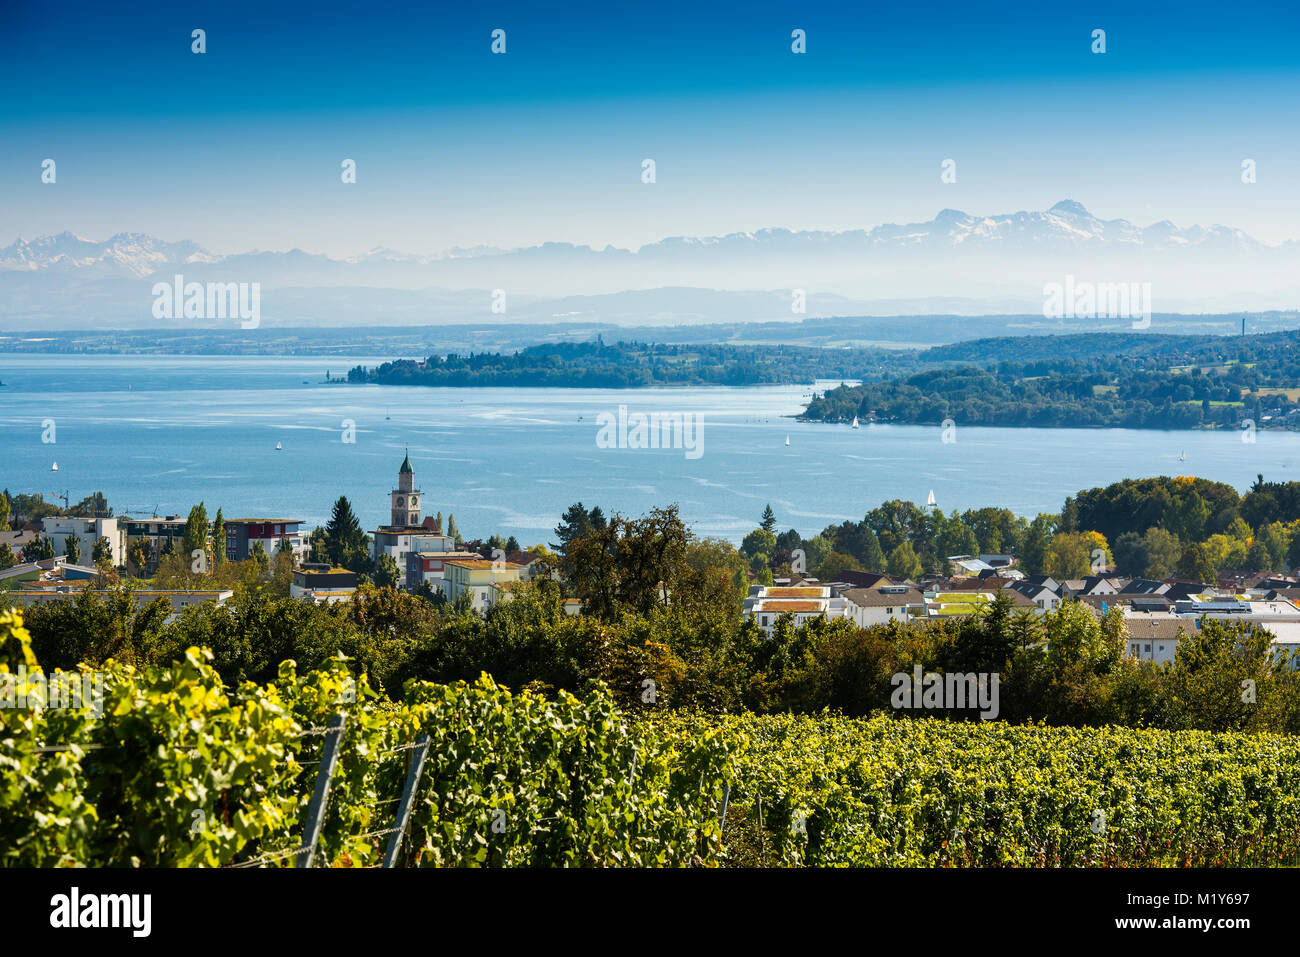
(72, 549)
(7, 557)
(768, 524)
(903, 562)
(956, 539)
(1037, 540)
(319, 552)
(1207, 684)
(343, 534)
(39, 549)
(387, 574)
(138, 555)
(1163, 549)
(1076, 637)
(218, 539)
(195, 538)
(1277, 540)
(1131, 555)
(102, 553)
(4, 511)
(258, 554)
(873, 559)
(1070, 555)
(1190, 515)
(1199, 562)
(629, 565)
(760, 540)
(92, 506)
(815, 550)
(830, 567)
(1258, 558)
(577, 520)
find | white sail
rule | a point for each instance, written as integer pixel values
(855, 421)
(54, 467)
(279, 447)
(930, 500)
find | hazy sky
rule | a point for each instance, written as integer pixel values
(240, 148)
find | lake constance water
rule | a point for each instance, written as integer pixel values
(169, 431)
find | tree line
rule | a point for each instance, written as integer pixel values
(1137, 382)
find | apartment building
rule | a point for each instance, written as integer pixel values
(87, 531)
(484, 581)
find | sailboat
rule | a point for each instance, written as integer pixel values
(930, 502)
(54, 467)
(855, 421)
(279, 447)
(387, 417)
(1182, 456)
(787, 440)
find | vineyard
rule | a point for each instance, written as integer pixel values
(177, 770)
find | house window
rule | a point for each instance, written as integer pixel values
(1161, 648)
(1147, 649)
(889, 611)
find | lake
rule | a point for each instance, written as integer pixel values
(165, 432)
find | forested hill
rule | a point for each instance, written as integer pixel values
(1086, 381)
(632, 365)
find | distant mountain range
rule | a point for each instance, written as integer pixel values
(955, 263)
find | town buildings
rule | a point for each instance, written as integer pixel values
(155, 533)
(406, 534)
(430, 568)
(883, 602)
(243, 535)
(767, 604)
(87, 531)
(486, 582)
(55, 579)
(323, 584)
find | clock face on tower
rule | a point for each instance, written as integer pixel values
(415, 500)
(399, 503)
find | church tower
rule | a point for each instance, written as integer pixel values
(406, 497)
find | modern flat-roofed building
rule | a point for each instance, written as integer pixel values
(803, 603)
(323, 584)
(431, 567)
(87, 531)
(66, 589)
(482, 580)
(242, 534)
(154, 532)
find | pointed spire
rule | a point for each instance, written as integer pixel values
(406, 465)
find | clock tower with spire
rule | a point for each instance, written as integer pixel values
(406, 497)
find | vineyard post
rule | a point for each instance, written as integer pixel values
(722, 818)
(408, 799)
(320, 797)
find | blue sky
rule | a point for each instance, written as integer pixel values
(240, 147)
